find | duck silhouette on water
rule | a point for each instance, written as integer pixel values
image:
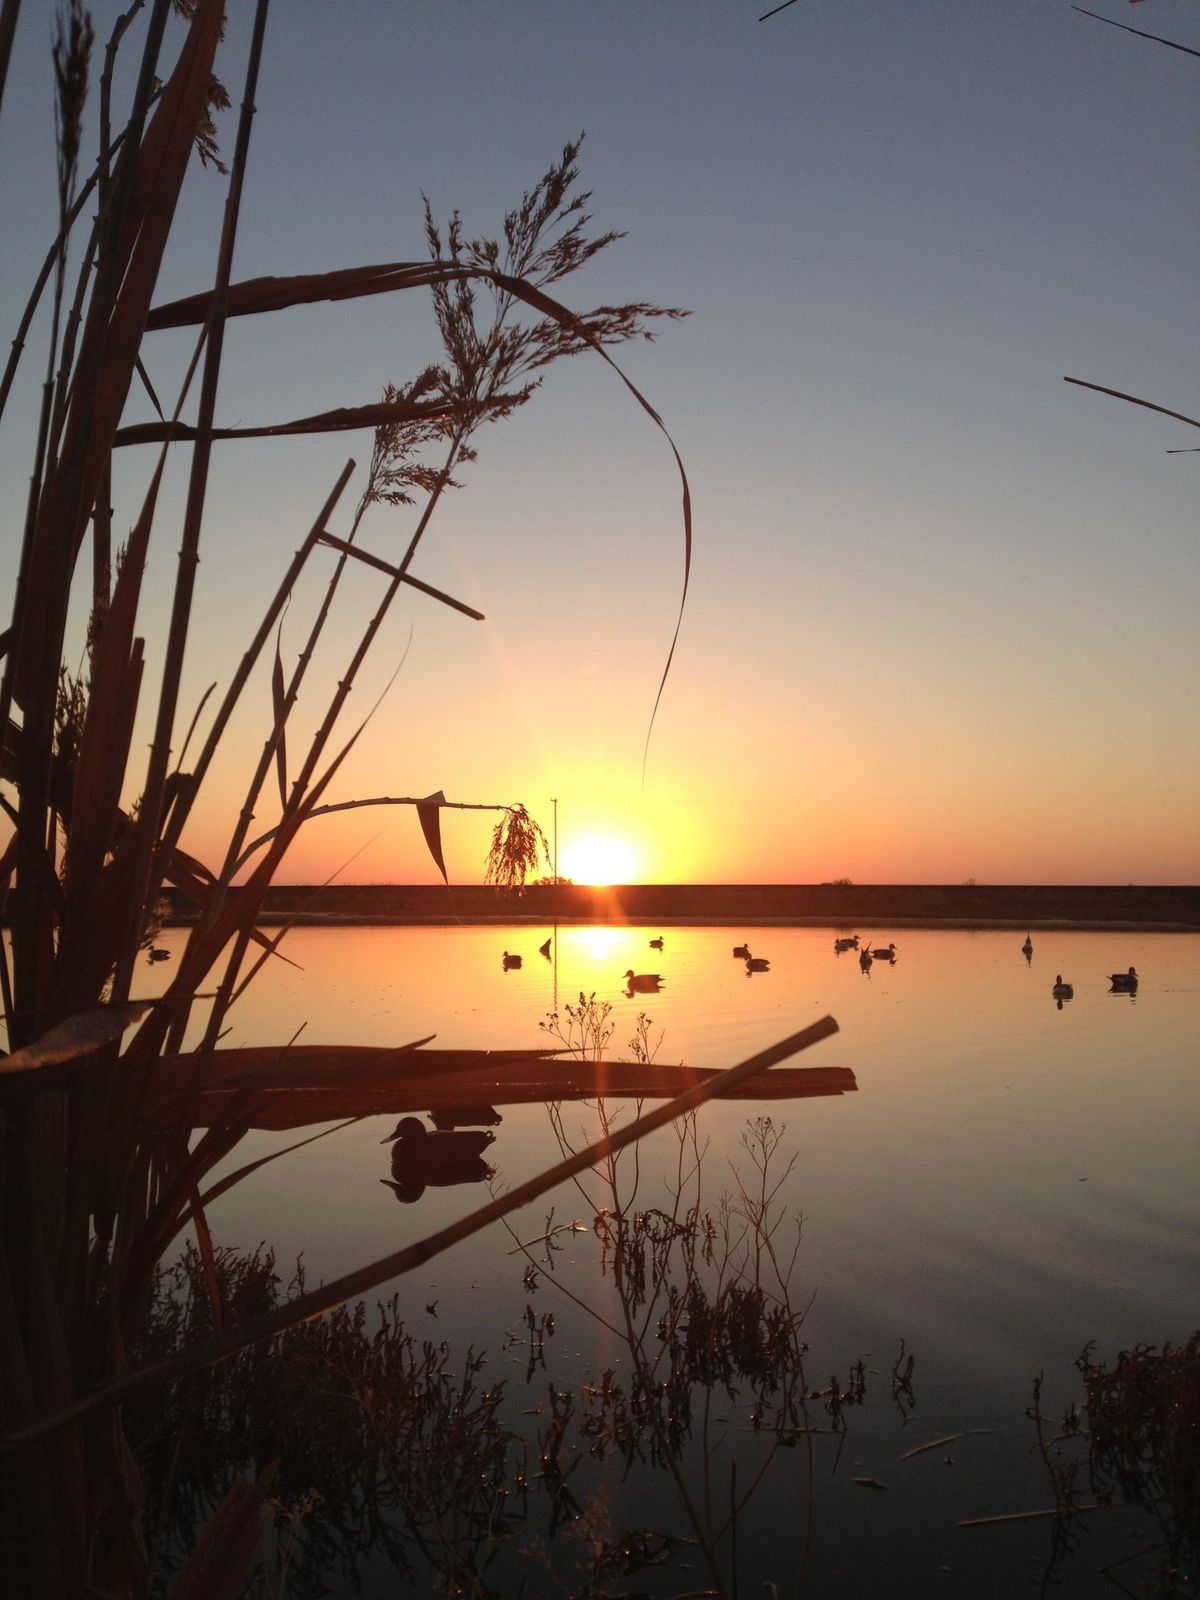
(1124, 982)
(642, 982)
(1027, 948)
(757, 964)
(421, 1159)
(742, 952)
(509, 963)
(1062, 991)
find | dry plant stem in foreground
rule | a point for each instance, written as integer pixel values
(704, 1309)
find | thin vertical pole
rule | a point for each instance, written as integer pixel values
(554, 868)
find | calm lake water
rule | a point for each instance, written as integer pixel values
(1010, 1181)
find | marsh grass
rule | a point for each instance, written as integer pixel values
(1130, 1440)
(390, 1447)
(92, 1197)
(100, 1177)
(1133, 1439)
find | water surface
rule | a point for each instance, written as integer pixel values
(1011, 1180)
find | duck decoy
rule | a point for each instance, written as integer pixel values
(544, 949)
(865, 959)
(1124, 982)
(421, 1158)
(884, 955)
(1027, 947)
(642, 982)
(742, 951)
(157, 953)
(412, 1140)
(509, 962)
(845, 944)
(656, 944)
(757, 964)
(1061, 990)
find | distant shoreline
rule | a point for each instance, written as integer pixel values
(851, 907)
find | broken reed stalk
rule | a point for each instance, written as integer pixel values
(354, 1284)
(376, 800)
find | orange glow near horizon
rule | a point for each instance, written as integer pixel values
(596, 941)
(599, 859)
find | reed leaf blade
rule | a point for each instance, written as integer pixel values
(429, 813)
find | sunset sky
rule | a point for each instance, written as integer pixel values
(942, 618)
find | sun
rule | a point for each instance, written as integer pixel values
(599, 859)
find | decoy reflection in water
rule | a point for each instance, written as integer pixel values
(882, 954)
(544, 949)
(509, 962)
(447, 1118)
(642, 982)
(742, 951)
(845, 944)
(757, 964)
(1124, 982)
(656, 944)
(1061, 990)
(421, 1159)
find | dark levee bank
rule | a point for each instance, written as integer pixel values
(853, 906)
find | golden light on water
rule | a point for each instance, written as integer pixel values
(605, 946)
(600, 942)
(598, 859)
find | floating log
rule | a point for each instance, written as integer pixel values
(305, 1084)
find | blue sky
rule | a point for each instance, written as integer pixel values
(942, 613)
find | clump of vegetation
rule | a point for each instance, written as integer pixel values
(1134, 1440)
(1143, 1424)
(518, 844)
(102, 768)
(1144, 1420)
(381, 1444)
(583, 1029)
